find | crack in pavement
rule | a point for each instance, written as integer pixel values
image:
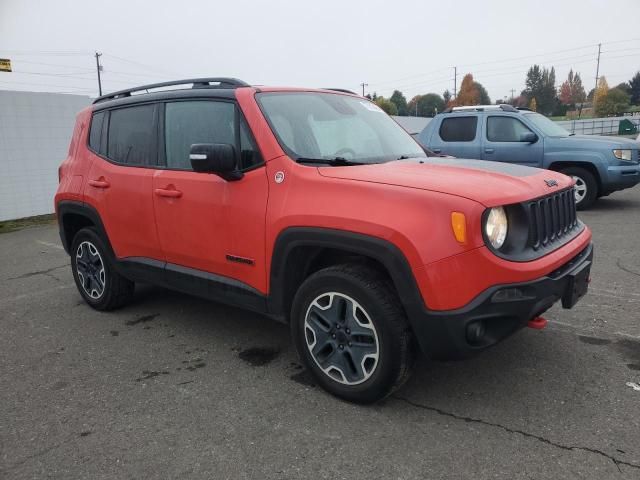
(626, 269)
(46, 272)
(617, 462)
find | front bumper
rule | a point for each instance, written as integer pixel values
(621, 177)
(493, 316)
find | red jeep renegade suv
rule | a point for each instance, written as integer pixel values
(315, 208)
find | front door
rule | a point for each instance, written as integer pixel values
(208, 225)
(502, 142)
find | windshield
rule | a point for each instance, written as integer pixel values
(327, 126)
(548, 127)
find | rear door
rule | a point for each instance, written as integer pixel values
(205, 223)
(501, 142)
(123, 143)
(457, 136)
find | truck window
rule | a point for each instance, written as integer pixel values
(505, 129)
(459, 129)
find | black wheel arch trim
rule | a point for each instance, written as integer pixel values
(378, 249)
(66, 207)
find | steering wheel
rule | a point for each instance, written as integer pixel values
(345, 153)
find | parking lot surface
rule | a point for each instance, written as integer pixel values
(177, 387)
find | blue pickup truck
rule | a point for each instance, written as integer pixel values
(502, 133)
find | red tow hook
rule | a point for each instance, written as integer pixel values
(538, 323)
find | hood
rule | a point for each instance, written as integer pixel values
(490, 183)
(592, 142)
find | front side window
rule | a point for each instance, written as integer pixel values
(459, 129)
(325, 126)
(505, 129)
(548, 127)
(131, 135)
(192, 122)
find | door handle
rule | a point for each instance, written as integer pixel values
(168, 193)
(436, 150)
(99, 183)
(488, 150)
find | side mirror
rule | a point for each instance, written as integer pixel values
(528, 137)
(218, 158)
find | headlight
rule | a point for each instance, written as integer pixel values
(496, 227)
(623, 155)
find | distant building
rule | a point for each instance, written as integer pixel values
(35, 130)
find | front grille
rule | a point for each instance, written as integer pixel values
(551, 218)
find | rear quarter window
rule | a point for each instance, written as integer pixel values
(459, 129)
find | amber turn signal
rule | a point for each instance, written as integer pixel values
(459, 226)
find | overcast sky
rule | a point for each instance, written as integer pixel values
(404, 44)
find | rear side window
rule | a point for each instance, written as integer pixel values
(187, 123)
(505, 129)
(459, 129)
(95, 133)
(131, 135)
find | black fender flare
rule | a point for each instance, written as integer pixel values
(378, 249)
(66, 207)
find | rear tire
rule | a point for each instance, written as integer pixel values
(586, 186)
(352, 334)
(100, 285)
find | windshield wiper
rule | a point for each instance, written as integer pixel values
(334, 162)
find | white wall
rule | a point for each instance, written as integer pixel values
(35, 130)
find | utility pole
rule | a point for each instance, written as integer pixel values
(363, 85)
(99, 69)
(597, 71)
(513, 91)
(455, 82)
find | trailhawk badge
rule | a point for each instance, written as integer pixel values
(279, 177)
(551, 183)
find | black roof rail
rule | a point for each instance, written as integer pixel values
(341, 90)
(220, 82)
(525, 109)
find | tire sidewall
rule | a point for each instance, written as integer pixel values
(388, 363)
(89, 235)
(590, 183)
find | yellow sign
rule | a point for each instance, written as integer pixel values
(5, 65)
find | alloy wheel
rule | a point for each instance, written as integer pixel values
(580, 189)
(90, 270)
(341, 338)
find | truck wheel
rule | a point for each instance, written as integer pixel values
(352, 333)
(586, 192)
(97, 280)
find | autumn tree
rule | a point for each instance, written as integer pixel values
(601, 91)
(533, 105)
(571, 90)
(400, 102)
(468, 94)
(387, 105)
(634, 85)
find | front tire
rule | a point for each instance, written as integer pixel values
(100, 285)
(586, 188)
(352, 334)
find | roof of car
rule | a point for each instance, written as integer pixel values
(220, 87)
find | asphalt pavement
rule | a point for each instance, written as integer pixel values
(177, 387)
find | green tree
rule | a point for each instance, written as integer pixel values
(446, 96)
(427, 105)
(614, 102)
(386, 105)
(541, 85)
(634, 84)
(400, 102)
(483, 95)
